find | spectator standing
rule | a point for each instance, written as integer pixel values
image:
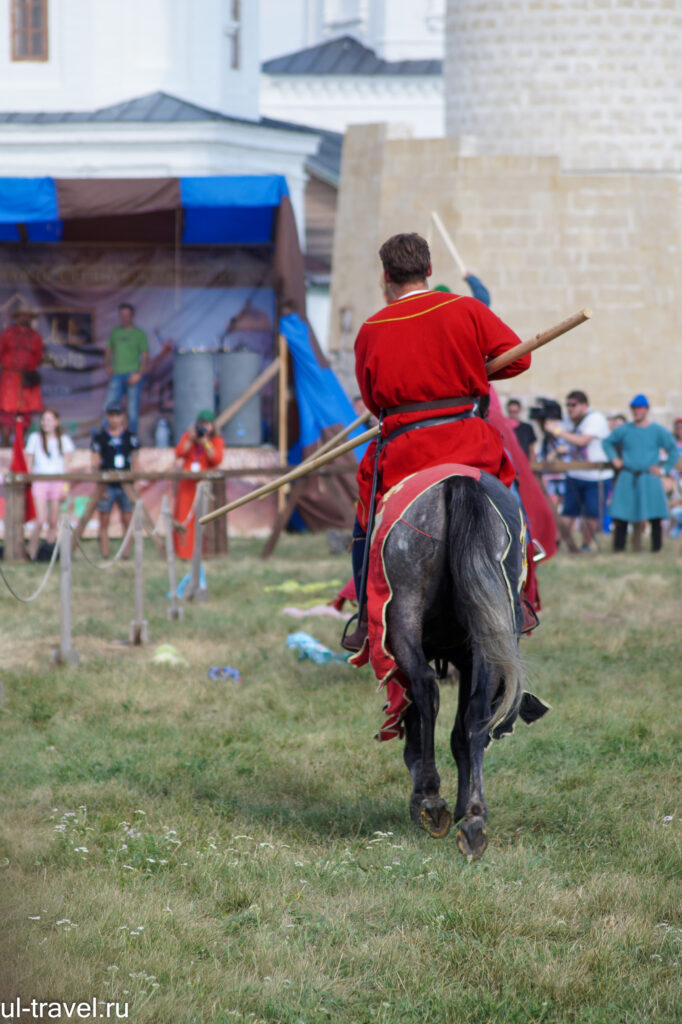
(115, 447)
(125, 361)
(47, 451)
(525, 432)
(21, 353)
(585, 497)
(198, 448)
(638, 494)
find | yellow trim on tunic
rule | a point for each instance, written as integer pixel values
(410, 316)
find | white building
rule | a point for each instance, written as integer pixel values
(342, 82)
(395, 30)
(139, 88)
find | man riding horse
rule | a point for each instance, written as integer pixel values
(420, 366)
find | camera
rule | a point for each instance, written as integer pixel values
(201, 430)
(546, 409)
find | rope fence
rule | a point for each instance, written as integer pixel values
(67, 542)
(38, 592)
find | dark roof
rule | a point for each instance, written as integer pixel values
(155, 108)
(346, 56)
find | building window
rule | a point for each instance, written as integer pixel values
(29, 29)
(234, 32)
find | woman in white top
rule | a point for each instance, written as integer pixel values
(45, 453)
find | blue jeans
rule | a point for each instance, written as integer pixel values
(118, 386)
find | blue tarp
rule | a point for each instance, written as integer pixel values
(227, 211)
(236, 210)
(32, 202)
(322, 402)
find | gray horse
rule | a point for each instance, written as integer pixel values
(454, 564)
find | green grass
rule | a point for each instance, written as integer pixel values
(221, 852)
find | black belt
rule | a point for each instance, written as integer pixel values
(436, 403)
(429, 421)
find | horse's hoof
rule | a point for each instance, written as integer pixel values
(435, 818)
(472, 838)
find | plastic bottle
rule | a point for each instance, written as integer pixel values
(162, 434)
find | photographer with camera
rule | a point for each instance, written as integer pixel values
(585, 489)
(199, 448)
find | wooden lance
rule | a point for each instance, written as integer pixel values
(310, 465)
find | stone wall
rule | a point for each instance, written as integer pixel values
(596, 82)
(545, 242)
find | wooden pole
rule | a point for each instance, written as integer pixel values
(195, 592)
(282, 439)
(299, 471)
(14, 519)
(333, 441)
(139, 634)
(492, 367)
(175, 611)
(66, 654)
(450, 245)
(537, 342)
(257, 385)
(132, 494)
(338, 438)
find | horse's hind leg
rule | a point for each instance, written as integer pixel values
(459, 744)
(472, 838)
(427, 807)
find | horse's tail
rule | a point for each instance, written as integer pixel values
(482, 592)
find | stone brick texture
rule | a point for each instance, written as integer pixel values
(546, 241)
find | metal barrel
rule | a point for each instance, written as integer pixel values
(238, 369)
(193, 386)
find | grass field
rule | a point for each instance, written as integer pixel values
(242, 852)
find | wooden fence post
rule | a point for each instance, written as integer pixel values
(215, 537)
(139, 634)
(195, 592)
(65, 654)
(175, 611)
(14, 549)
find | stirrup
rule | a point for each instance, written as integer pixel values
(346, 627)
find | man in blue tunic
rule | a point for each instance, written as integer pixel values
(634, 450)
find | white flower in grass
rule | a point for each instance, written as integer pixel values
(667, 818)
(34, 918)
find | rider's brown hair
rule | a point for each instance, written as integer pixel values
(406, 258)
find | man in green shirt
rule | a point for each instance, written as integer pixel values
(125, 361)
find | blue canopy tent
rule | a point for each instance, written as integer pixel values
(216, 210)
(74, 248)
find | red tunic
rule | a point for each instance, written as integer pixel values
(423, 347)
(21, 349)
(195, 458)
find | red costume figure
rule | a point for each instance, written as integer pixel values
(429, 347)
(21, 353)
(429, 350)
(198, 448)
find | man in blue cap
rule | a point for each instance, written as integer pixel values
(634, 449)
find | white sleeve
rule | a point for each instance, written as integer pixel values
(32, 443)
(67, 444)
